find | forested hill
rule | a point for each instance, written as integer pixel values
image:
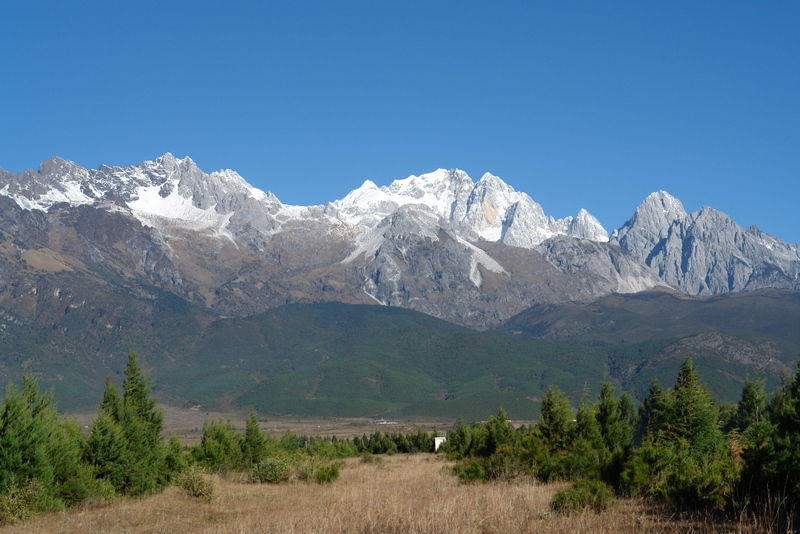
(358, 360)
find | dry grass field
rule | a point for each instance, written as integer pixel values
(397, 494)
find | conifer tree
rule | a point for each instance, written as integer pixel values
(499, 433)
(772, 454)
(650, 411)
(685, 458)
(752, 407)
(37, 449)
(254, 443)
(555, 419)
(220, 448)
(135, 421)
(106, 450)
(136, 397)
(690, 413)
(23, 451)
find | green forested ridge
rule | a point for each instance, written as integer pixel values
(337, 359)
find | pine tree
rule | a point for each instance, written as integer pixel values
(555, 419)
(254, 443)
(499, 433)
(690, 413)
(134, 420)
(23, 451)
(111, 404)
(650, 411)
(137, 397)
(220, 448)
(106, 450)
(38, 450)
(772, 455)
(685, 458)
(752, 407)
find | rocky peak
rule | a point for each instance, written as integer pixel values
(706, 252)
(650, 223)
(586, 226)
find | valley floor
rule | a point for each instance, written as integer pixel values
(395, 494)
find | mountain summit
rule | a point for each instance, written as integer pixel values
(472, 252)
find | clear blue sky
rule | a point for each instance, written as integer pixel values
(580, 104)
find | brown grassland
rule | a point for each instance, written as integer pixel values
(395, 494)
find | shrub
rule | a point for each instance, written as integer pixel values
(318, 471)
(327, 473)
(592, 494)
(21, 501)
(195, 483)
(270, 471)
(369, 458)
(470, 471)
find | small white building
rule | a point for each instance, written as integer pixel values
(437, 442)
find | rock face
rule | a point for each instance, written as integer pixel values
(470, 252)
(706, 252)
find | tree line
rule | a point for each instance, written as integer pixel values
(678, 447)
(48, 463)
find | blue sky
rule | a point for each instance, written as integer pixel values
(579, 104)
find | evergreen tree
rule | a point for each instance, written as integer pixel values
(587, 452)
(616, 423)
(690, 413)
(106, 450)
(111, 404)
(137, 398)
(220, 448)
(38, 450)
(555, 420)
(134, 421)
(614, 417)
(650, 411)
(254, 443)
(771, 454)
(499, 433)
(23, 445)
(752, 407)
(685, 458)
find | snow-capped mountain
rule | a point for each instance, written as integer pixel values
(165, 192)
(169, 191)
(488, 209)
(473, 252)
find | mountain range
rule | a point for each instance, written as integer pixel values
(90, 258)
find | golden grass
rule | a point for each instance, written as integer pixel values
(399, 494)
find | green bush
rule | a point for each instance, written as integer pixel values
(470, 471)
(270, 471)
(21, 501)
(319, 471)
(195, 483)
(592, 494)
(327, 473)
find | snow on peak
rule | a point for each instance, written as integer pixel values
(488, 209)
(171, 188)
(369, 204)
